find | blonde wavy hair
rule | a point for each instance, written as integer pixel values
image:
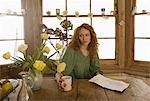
(93, 45)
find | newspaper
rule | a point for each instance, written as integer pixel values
(109, 83)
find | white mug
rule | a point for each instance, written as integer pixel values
(66, 83)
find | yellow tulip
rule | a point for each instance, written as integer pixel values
(46, 50)
(57, 62)
(44, 36)
(58, 46)
(39, 65)
(7, 55)
(22, 48)
(61, 67)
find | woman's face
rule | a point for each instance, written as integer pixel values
(84, 37)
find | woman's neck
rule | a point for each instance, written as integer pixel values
(83, 47)
(84, 50)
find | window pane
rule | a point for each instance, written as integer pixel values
(106, 48)
(82, 6)
(104, 27)
(10, 46)
(52, 5)
(11, 27)
(142, 49)
(142, 5)
(76, 21)
(98, 4)
(52, 22)
(142, 23)
(13, 5)
(52, 50)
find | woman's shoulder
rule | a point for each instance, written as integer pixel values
(70, 52)
(69, 49)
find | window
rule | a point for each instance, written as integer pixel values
(142, 31)
(11, 27)
(104, 25)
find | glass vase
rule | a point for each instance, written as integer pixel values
(37, 79)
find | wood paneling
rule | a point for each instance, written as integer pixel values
(9, 71)
(32, 23)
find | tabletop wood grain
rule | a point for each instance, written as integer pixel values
(83, 90)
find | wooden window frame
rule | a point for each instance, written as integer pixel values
(103, 61)
(132, 66)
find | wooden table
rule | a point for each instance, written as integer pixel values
(83, 90)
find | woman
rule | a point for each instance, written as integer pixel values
(81, 56)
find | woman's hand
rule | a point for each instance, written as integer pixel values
(58, 78)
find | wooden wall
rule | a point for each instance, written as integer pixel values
(32, 23)
(131, 66)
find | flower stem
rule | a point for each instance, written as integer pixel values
(55, 50)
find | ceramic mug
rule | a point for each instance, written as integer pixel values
(66, 83)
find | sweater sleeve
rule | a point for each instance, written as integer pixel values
(68, 58)
(94, 67)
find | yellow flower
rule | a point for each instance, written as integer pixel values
(44, 36)
(39, 65)
(61, 67)
(57, 62)
(46, 50)
(22, 48)
(6, 55)
(58, 46)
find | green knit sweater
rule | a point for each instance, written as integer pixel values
(78, 65)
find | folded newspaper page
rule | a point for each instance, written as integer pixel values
(109, 83)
